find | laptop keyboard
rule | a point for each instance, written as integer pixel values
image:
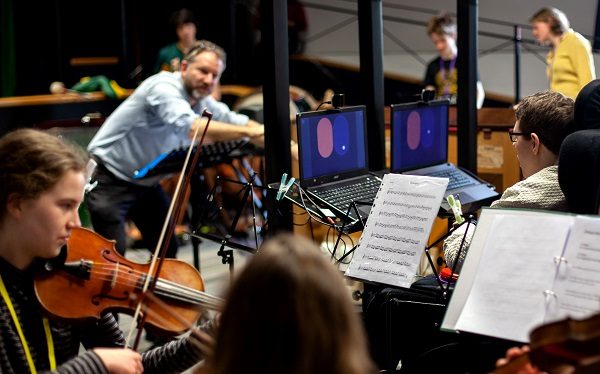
(456, 178)
(341, 196)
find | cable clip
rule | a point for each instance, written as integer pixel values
(284, 186)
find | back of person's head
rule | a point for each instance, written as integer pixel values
(442, 24)
(549, 114)
(587, 107)
(558, 21)
(579, 159)
(32, 162)
(289, 311)
(579, 171)
(181, 17)
(205, 46)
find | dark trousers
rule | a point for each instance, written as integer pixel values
(114, 200)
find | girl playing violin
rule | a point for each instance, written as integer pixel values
(42, 181)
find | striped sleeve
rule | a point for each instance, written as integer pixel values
(88, 362)
(173, 357)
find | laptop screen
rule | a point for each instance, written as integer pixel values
(419, 135)
(331, 144)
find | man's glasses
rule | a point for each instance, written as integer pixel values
(513, 135)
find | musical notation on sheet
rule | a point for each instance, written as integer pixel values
(397, 229)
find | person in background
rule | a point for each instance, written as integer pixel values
(43, 180)
(298, 317)
(170, 56)
(570, 61)
(157, 118)
(543, 121)
(442, 73)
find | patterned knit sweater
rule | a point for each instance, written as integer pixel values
(539, 191)
(175, 356)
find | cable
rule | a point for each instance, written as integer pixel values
(323, 103)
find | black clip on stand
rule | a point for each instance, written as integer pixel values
(445, 290)
(248, 190)
(353, 206)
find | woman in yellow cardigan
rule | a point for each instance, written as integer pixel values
(570, 62)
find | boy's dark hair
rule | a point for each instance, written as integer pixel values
(181, 17)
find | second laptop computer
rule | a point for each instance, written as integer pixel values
(332, 151)
(419, 146)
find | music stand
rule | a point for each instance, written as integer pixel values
(444, 290)
(247, 191)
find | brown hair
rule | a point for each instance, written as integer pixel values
(441, 24)
(32, 161)
(289, 311)
(559, 23)
(205, 46)
(548, 114)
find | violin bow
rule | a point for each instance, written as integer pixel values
(167, 231)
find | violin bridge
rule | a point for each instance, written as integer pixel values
(113, 281)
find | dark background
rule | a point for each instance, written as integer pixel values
(47, 37)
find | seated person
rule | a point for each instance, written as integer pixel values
(579, 179)
(297, 316)
(43, 181)
(170, 56)
(543, 121)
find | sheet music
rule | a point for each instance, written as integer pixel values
(516, 268)
(397, 229)
(577, 284)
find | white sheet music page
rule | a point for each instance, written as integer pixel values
(397, 229)
(508, 297)
(577, 284)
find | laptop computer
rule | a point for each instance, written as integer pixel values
(419, 146)
(332, 152)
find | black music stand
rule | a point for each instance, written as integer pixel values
(211, 154)
(247, 194)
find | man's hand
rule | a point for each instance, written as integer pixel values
(256, 133)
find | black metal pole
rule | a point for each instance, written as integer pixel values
(517, 35)
(467, 84)
(370, 37)
(276, 82)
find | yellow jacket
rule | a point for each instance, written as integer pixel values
(570, 64)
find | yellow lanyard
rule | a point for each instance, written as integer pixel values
(49, 340)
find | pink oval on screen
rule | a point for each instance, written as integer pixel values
(325, 137)
(413, 130)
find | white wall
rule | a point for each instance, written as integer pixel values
(496, 69)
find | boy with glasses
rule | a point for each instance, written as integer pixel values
(543, 121)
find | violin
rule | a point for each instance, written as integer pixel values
(566, 346)
(91, 277)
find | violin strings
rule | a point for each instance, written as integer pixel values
(169, 288)
(165, 286)
(189, 295)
